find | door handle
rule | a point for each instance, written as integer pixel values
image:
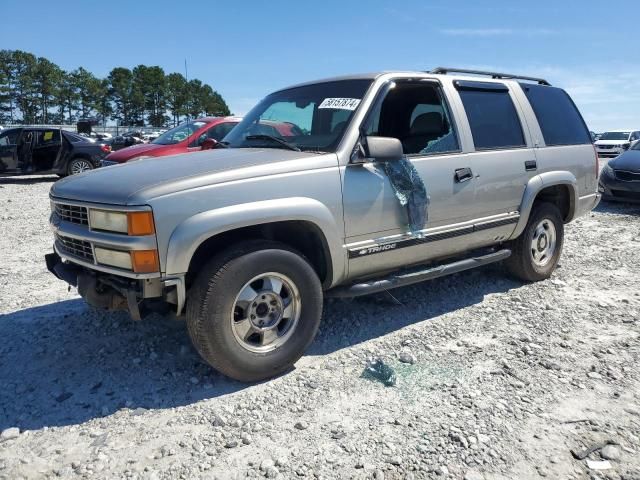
(463, 175)
(530, 165)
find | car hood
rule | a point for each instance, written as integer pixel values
(629, 160)
(133, 151)
(137, 182)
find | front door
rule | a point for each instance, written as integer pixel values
(376, 224)
(9, 150)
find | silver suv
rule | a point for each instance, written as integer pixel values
(366, 183)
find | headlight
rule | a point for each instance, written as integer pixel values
(131, 223)
(108, 220)
(607, 170)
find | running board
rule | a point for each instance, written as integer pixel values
(409, 278)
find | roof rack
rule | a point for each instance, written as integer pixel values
(445, 70)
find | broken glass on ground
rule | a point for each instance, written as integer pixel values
(378, 370)
(410, 191)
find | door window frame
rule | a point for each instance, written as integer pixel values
(384, 90)
(514, 101)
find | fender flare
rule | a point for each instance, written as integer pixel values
(538, 183)
(192, 232)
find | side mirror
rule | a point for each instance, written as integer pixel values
(209, 143)
(384, 149)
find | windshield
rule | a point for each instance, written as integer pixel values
(179, 133)
(615, 136)
(311, 118)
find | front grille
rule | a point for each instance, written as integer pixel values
(605, 147)
(627, 176)
(72, 213)
(77, 248)
(626, 194)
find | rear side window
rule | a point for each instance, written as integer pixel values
(492, 116)
(557, 115)
(47, 137)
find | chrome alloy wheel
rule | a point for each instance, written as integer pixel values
(79, 166)
(266, 312)
(543, 243)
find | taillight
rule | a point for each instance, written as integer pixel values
(597, 162)
(105, 148)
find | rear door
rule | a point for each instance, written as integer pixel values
(8, 150)
(503, 158)
(46, 149)
(61, 161)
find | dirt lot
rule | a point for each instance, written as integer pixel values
(500, 380)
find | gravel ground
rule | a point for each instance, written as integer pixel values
(495, 379)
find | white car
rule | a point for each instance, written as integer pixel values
(615, 142)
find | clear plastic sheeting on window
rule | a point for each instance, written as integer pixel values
(410, 191)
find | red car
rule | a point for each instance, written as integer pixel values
(187, 137)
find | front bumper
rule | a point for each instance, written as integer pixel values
(614, 190)
(611, 152)
(75, 261)
(112, 292)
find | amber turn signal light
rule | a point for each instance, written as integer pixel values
(140, 223)
(145, 261)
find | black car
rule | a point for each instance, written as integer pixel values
(39, 150)
(620, 178)
(125, 140)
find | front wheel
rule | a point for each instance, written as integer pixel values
(78, 165)
(254, 310)
(535, 253)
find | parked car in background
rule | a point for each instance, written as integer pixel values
(614, 142)
(151, 136)
(125, 140)
(48, 150)
(620, 178)
(187, 137)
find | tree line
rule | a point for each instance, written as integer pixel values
(34, 90)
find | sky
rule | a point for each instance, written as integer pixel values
(246, 49)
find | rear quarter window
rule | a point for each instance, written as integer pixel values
(559, 119)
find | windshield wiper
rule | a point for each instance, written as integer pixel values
(282, 142)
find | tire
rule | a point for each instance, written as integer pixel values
(221, 305)
(78, 165)
(532, 257)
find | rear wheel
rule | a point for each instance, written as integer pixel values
(254, 309)
(535, 253)
(78, 165)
